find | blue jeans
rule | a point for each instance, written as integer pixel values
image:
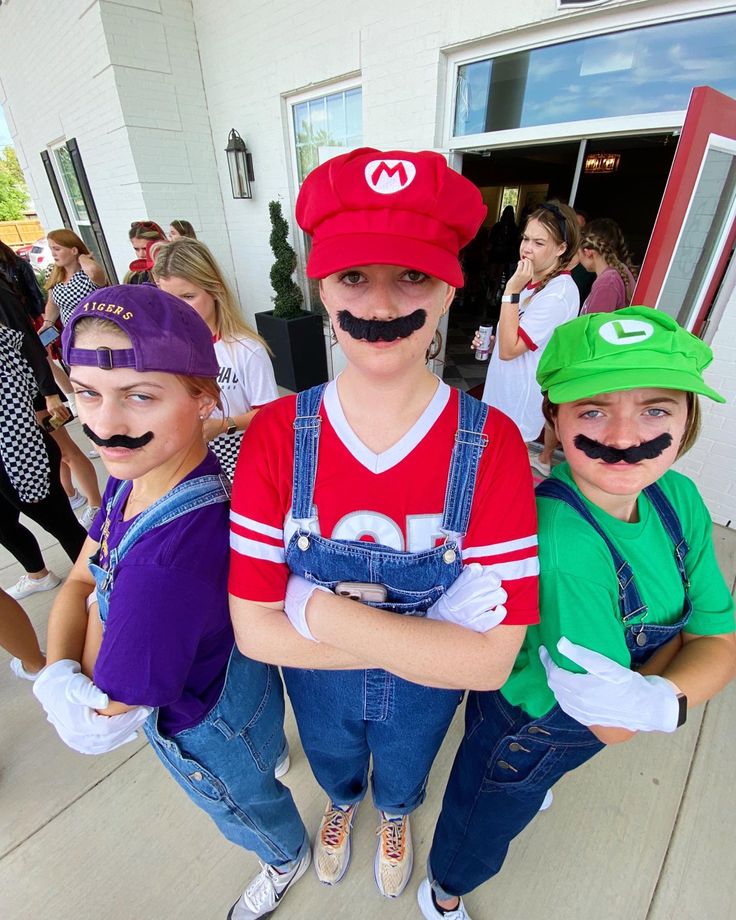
(347, 717)
(226, 764)
(503, 768)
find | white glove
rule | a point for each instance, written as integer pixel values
(298, 592)
(610, 694)
(70, 699)
(474, 600)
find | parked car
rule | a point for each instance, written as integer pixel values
(24, 251)
(40, 256)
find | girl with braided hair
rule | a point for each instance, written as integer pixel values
(603, 250)
(538, 297)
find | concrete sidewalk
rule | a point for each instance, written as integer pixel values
(646, 830)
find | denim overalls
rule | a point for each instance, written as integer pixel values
(507, 761)
(226, 762)
(344, 717)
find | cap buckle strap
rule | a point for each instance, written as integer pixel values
(104, 357)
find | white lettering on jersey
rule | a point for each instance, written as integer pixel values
(422, 530)
(361, 524)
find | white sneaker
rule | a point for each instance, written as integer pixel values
(26, 585)
(542, 468)
(16, 666)
(394, 855)
(264, 893)
(89, 515)
(429, 909)
(332, 846)
(283, 764)
(77, 500)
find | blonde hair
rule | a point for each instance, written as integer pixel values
(689, 435)
(69, 240)
(604, 236)
(560, 222)
(192, 261)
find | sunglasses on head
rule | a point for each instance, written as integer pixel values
(561, 222)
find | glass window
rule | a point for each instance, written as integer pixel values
(335, 120)
(639, 71)
(71, 183)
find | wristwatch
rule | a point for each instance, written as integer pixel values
(510, 298)
(682, 711)
(232, 427)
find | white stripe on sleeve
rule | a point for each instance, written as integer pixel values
(256, 526)
(498, 549)
(255, 549)
(522, 568)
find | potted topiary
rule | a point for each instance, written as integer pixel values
(295, 336)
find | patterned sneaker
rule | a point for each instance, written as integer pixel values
(77, 500)
(264, 893)
(88, 517)
(394, 855)
(332, 846)
(26, 585)
(430, 910)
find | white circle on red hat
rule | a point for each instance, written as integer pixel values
(389, 176)
(626, 331)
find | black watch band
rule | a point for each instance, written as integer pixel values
(682, 711)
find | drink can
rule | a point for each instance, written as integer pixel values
(484, 350)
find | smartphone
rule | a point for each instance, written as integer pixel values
(49, 335)
(362, 591)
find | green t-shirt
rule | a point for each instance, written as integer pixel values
(579, 591)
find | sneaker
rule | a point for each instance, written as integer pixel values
(540, 466)
(394, 855)
(264, 893)
(332, 846)
(89, 515)
(26, 585)
(283, 763)
(16, 666)
(430, 910)
(77, 500)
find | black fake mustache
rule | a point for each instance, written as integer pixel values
(377, 330)
(118, 440)
(647, 450)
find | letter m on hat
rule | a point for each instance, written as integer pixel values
(389, 176)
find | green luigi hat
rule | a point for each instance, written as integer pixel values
(631, 348)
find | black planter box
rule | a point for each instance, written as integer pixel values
(298, 346)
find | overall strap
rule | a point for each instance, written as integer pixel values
(630, 602)
(470, 442)
(306, 445)
(671, 523)
(187, 496)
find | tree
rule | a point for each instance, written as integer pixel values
(288, 300)
(13, 189)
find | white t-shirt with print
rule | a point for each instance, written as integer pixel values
(246, 376)
(511, 386)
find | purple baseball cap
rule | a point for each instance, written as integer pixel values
(166, 333)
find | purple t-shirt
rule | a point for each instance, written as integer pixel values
(168, 635)
(608, 292)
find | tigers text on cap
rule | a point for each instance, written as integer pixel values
(625, 350)
(166, 333)
(388, 208)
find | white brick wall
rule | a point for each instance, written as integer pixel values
(711, 461)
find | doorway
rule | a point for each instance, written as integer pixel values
(627, 187)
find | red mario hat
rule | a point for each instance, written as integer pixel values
(388, 208)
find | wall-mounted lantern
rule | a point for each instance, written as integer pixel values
(240, 164)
